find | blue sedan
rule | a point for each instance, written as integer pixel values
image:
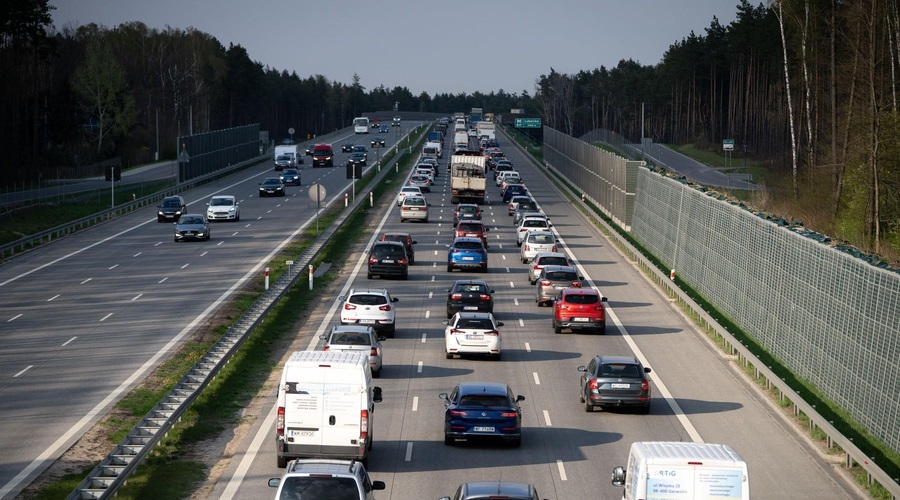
(482, 409)
(467, 253)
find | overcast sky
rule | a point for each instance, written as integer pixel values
(447, 46)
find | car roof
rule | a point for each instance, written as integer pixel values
(466, 238)
(395, 233)
(469, 282)
(580, 291)
(228, 196)
(475, 315)
(491, 388)
(629, 360)
(381, 243)
(314, 466)
(371, 291)
(504, 488)
(554, 268)
(351, 328)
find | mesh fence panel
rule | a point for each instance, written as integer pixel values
(211, 151)
(833, 319)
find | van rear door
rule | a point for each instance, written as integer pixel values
(320, 415)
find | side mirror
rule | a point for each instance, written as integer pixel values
(382, 339)
(445, 322)
(323, 337)
(582, 368)
(414, 242)
(274, 482)
(376, 394)
(618, 476)
(342, 298)
(492, 291)
(395, 299)
(520, 398)
(443, 396)
(602, 299)
(378, 485)
(647, 369)
(207, 204)
(499, 323)
(581, 278)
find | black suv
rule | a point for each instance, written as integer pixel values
(170, 209)
(620, 381)
(469, 295)
(388, 258)
(407, 241)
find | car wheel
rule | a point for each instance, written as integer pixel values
(281, 462)
(449, 355)
(497, 356)
(581, 396)
(426, 220)
(602, 329)
(402, 220)
(368, 275)
(449, 268)
(448, 441)
(518, 243)
(556, 328)
(376, 374)
(391, 330)
(645, 410)
(588, 407)
(524, 260)
(406, 275)
(237, 219)
(176, 240)
(449, 314)
(516, 442)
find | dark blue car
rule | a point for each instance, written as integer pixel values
(514, 190)
(467, 253)
(482, 409)
(291, 176)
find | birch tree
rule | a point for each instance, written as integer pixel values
(103, 94)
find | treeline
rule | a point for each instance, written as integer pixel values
(76, 95)
(811, 84)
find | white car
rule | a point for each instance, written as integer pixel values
(414, 208)
(427, 172)
(408, 191)
(373, 308)
(536, 242)
(506, 173)
(352, 338)
(546, 259)
(223, 207)
(472, 333)
(531, 224)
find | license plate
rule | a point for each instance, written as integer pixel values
(474, 337)
(620, 386)
(414, 209)
(470, 308)
(188, 233)
(388, 261)
(302, 433)
(482, 429)
(558, 287)
(367, 321)
(468, 258)
(581, 320)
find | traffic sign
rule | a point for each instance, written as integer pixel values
(528, 123)
(727, 144)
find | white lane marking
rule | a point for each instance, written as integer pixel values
(430, 294)
(234, 233)
(69, 341)
(500, 246)
(512, 285)
(114, 266)
(435, 252)
(516, 301)
(106, 317)
(248, 224)
(137, 297)
(562, 471)
(537, 381)
(184, 266)
(85, 281)
(503, 256)
(432, 278)
(427, 314)
(419, 368)
(415, 406)
(135, 255)
(521, 322)
(259, 218)
(437, 232)
(219, 243)
(23, 371)
(51, 298)
(204, 253)
(164, 279)
(547, 418)
(527, 347)
(436, 242)
(268, 212)
(409, 451)
(424, 337)
(434, 264)
(158, 243)
(507, 270)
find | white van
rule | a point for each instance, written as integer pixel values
(325, 405)
(682, 471)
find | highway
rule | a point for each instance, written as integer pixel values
(84, 319)
(566, 453)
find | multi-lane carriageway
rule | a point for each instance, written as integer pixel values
(133, 271)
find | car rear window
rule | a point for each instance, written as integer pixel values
(315, 488)
(553, 261)
(562, 276)
(414, 201)
(471, 288)
(541, 238)
(468, 226)
(368, 299)
(534, 223)
(468, 245)
(620, 370)
(484, 400)
(582, 299)
(382, 251)
(525, 206)
(475, 323)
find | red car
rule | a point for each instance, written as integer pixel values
(579, 309)
(472, 229)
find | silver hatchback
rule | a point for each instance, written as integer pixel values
(356, 338)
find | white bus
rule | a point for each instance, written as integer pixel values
(361, 125)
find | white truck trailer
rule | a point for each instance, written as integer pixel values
(467, 181)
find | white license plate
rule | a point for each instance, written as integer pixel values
(581, 320)
(620, 386)
(474, 337)
(388, 261)
(468, 258)
(470, 308)
(558, 287)
(302, 433)
(482, 429)
(367, 321)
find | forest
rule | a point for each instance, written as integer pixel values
(809, 86)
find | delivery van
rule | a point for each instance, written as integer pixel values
(682, 471)
(326, 402)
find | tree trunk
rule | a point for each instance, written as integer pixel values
(787, 84)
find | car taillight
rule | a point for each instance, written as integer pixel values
(384, 307)
(349, 307)
(455, 331)
(645, 385)
(509, 414)
(576, 284)
(402, 262)
(484, 297)
(527, 248)
(546, 282)
(363, 424)
(456, 296)
(537, 267)
(326, 348)
(492, 332)
(373, 260)
(554, 249)
(457, 413)
(594, 384)
(373, 352)
(279, 421)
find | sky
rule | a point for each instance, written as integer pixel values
(451, 46)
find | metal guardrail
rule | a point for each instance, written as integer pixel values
(114, 470)
(853, 455)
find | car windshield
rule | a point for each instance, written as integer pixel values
(553, 261)
(582, 299)
(171, 204)
(368, 300)
(620, 371)
(283, 158)
(321, 152)
(470, 287)
(319, 487)
(468, 245)
(541, 239)
(475, 324)
(484, 400)
(272, 181)
(222, 202)
(562, 276)
(190, 220)
(290, 171)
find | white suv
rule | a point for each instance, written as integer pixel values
(370, 308)
(536, 242)
(325, 480)
(223, 207)
(414, 207)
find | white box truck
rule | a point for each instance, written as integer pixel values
(326, 403)
(467, 181)
(291, 151)
(663, 470)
